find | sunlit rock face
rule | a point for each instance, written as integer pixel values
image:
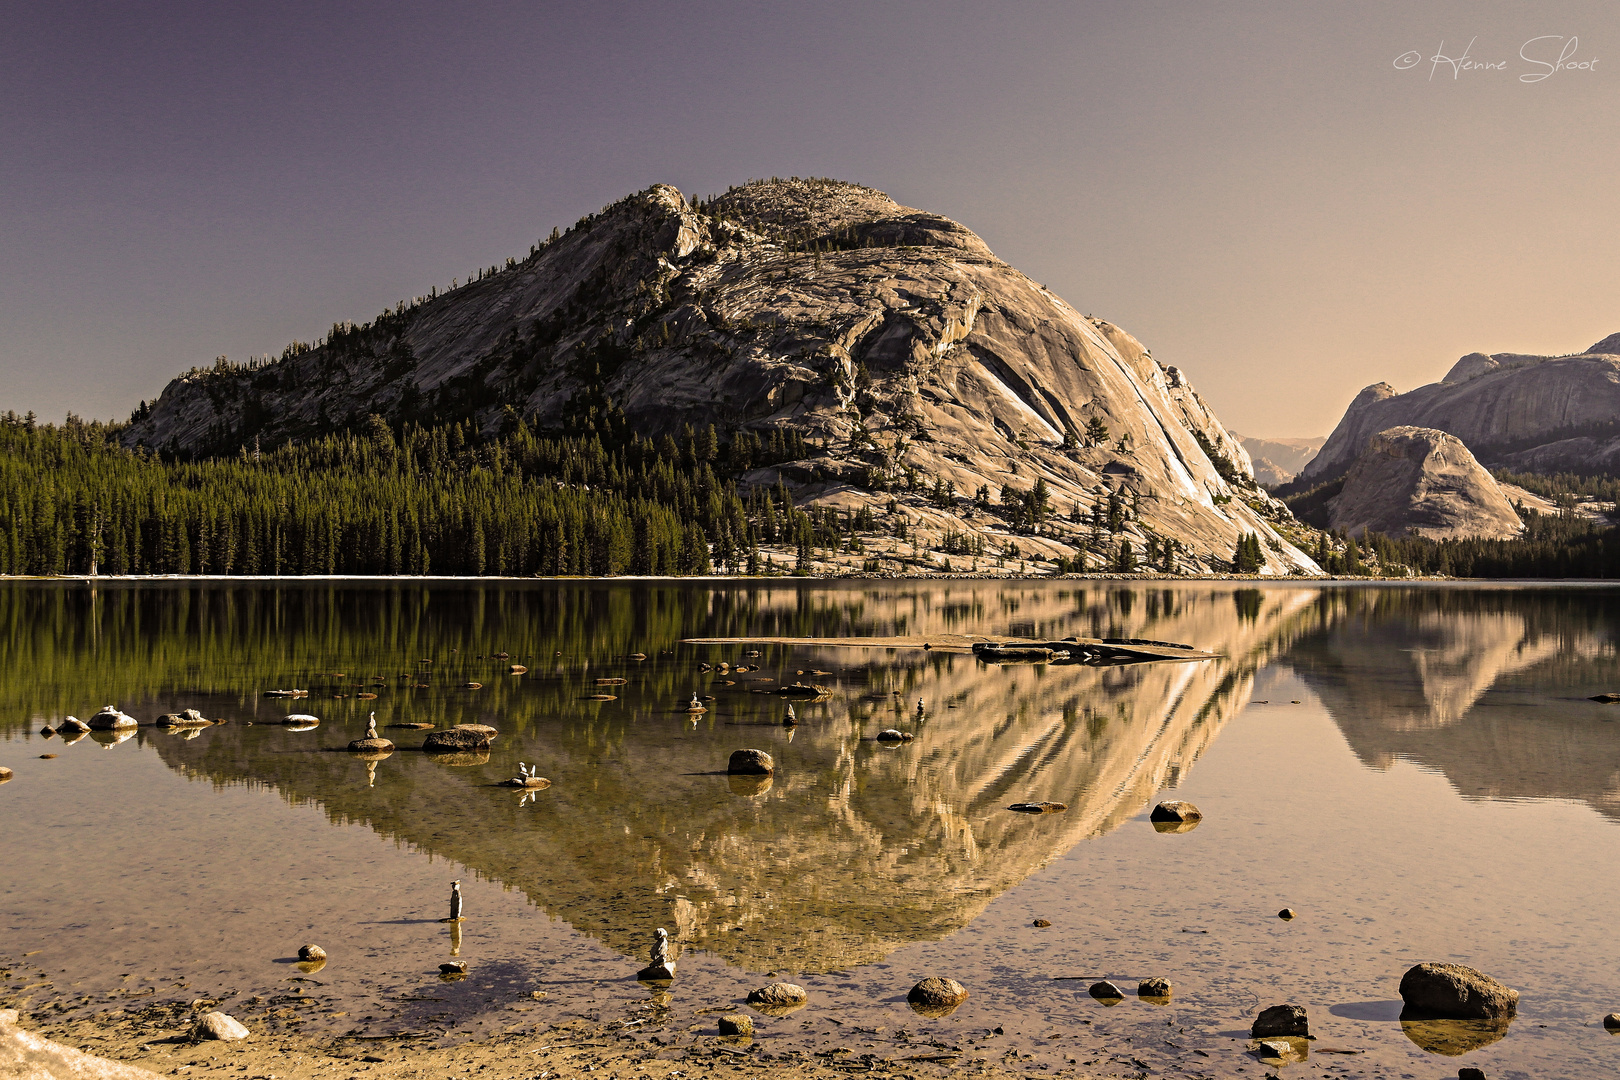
(1445, 680)
(854, 848)
(1423, 482)
(891, 336)
(1530, 413)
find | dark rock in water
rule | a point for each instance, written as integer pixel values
(530, 782)
(750, 763)
(1038, 807)
(478, 729)
(801, 690)
(48, 732)
(1455, 992)
(71, 724)
(1281, 1020)
(371, 746)
(1106, 991)
(456, 738)
(935, 997)
(1468, 1072)
(311, 952)
(894, 735)
(736, 1024)
(454, 967)
(1176, 812)
(1043, 922)
(1286, 913)
(749, 786)
(778, 999)
(664, 972)
(1453, 1038)
(1612, 1021)
(1154, 988)
(1607, 699)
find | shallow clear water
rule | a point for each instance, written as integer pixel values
(1416, 771)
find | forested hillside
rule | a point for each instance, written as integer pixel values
(438, 500)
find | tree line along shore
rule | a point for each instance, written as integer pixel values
(603, 501)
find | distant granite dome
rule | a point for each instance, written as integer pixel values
(1426, 483)
(1513, 410)
(893, 338)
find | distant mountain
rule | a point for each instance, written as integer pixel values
(939, 388)
(1420, 481)
(1277, 461)
(1514, 411)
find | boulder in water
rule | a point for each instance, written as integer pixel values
(311, 952)
(935, 997)
(736, 1024)
(1106, 992)
(1282, 1020)
(455, 739)
(371, 746)
(110, 719)
(1455, 992)
(750, 763)
(1176, 812)
(778, 999)
(1154, 988)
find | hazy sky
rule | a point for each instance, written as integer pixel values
(1255, 190)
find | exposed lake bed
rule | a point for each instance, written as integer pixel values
(1415, 773)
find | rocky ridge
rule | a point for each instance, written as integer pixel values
(1278, 461)
(1514, 411)
(924, 370)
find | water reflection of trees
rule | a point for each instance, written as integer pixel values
(854, 849)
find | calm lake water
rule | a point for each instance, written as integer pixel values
(1416, 771)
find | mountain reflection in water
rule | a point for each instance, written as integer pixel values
(852, 850)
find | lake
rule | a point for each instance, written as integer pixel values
(1416, 771)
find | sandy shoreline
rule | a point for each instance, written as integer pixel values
(155, 1038)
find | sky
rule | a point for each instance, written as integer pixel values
(1288, 201)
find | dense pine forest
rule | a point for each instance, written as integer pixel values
(420, 500)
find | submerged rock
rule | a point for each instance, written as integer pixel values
(1453, 1038)
(736, 1024)
(778, 999)
(456, 739)
(935, 997)
(1455, 992)
(217, 1025)
(894, 735)
(750, 763)
(1281, 1020)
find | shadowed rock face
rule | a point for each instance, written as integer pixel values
(892, 334)
(855, 848)
(1422, 481)
(1510, 409)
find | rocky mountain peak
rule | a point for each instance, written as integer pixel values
(1425, 482)
(911, 358)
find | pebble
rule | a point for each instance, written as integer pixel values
(454, 967)
(311, 952)
(5, 774)
(736, 1024)
(1286, 913)
(1176, 811)
(1043, 922)
(1612, 1021)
